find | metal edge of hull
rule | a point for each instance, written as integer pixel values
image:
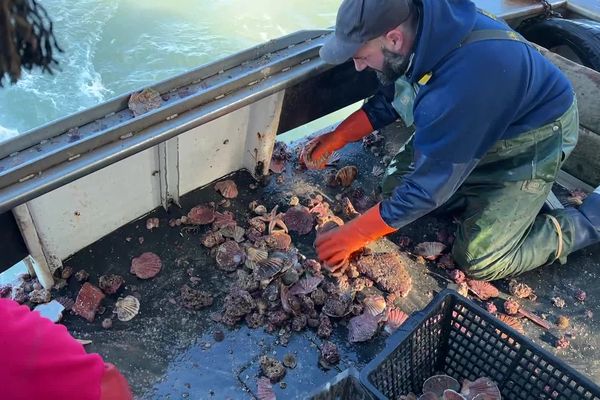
(64, 173)
(60, 126)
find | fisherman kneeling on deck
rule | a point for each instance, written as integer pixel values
(494, 121)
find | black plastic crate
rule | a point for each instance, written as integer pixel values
(455, 336)
(345, 386)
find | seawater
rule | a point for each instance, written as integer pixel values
(117, 46)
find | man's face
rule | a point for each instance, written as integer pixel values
(388, 65)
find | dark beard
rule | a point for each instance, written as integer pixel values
(394, 66)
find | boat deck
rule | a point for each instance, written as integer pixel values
(170, 352)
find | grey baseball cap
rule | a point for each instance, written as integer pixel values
(359, 21)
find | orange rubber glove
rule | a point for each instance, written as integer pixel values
(334, 247)
(316, 152)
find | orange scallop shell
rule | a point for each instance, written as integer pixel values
(512, 322)
(375, 305)
(227, 188)
(483, 290)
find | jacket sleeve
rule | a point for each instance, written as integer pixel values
(426, 188)
(379, 108)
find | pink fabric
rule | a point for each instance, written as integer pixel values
(41, 360)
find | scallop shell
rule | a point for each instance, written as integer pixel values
(374, 305)
(254, 256)
(452, 395)
(260, 210)
(227, 188)
(299, 219)
(512, 322)
(483, 290)
(438, 384)
(430, 250)
(144, 101)
(212, 239)
(223, 219)
(284, 296)
(258, 224)
(362, 328)
(229, 256)
(482, 386)
(265, 389)
(395, 318)
(280, 241)
(346, 175)
(306, 285)
(127, 308)
(146, 266)
(233, 232)
(201, 215)
(268, 268)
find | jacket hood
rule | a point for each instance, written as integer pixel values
(443, 25)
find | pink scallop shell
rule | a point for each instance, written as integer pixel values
(146, 266)
(299, 219)
(230, 255)
(362, 328)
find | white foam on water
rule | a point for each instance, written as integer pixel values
(7, 133)
(76, 84)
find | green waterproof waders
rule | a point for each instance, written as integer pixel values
(500, 232)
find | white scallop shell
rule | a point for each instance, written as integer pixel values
(254, 256)
(127, 308)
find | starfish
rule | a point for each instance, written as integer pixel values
(275, 221)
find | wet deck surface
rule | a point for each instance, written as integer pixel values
(169, 352)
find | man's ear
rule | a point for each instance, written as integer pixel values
(394, 40)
